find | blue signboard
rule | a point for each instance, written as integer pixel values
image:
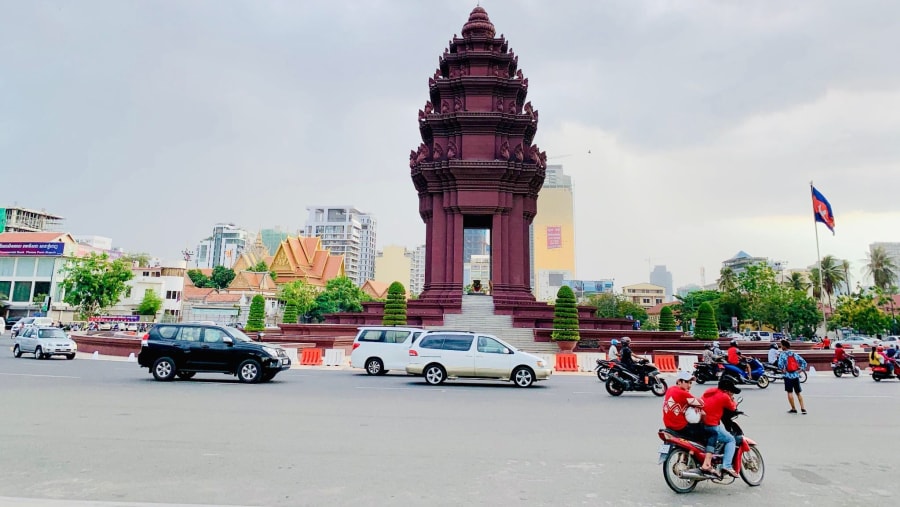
(589, 286)
(31, 249)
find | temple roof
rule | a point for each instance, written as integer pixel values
(479, 25)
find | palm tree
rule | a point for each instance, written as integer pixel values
(814, 282)
(797, 282)
(832, 275)
(845, 265)
(881, 268)
(727, 280)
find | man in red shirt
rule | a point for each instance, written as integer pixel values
(715, 401)
(675, 405)
(735, 359)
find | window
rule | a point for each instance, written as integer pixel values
(25, 266)
(490, 346)
(190, 334)
(51, 333)
(41, 289)
(213, 335)
(45, 267)
(6, 266)
(395, 336)
(167, 332)
(22, 292)
(646, 301)
(458, 343)
(5, 287)
(27, 333)
(371, 335)
(432, 342)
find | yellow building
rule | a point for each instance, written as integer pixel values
(645, 295)
(393, 264)
(553, 235)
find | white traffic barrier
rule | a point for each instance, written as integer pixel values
(131, 358)
(334, 357)
(95, 355)
(588, 360)
(686, 363)
(292, 354)
(812, 370)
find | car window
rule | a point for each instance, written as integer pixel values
(213, 335)
(415, 336)
(166, 332)
(490, 346)
(190, 334)
(432, 342)
(395, 336)
(26, 333)
(51, 333)
(372, 335)
(458, 343)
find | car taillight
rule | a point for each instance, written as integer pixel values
(355, 345)
(145, 339)
(413, 353)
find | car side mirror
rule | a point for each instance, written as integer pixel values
(227, 340)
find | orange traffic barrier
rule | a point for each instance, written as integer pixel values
(566, 362)
(311, 357)
(666, 364)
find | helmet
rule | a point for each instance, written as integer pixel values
(839, 346)
(614, 342)
(708, 346)
(773, 345)
(733, 343)
(880, 349)
(626, 340)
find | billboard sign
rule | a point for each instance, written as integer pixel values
(31, 249)
(554, 237)
(590, 286)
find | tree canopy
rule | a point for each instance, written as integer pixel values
(219, 279)
(616, 306)
(565, 316)
(151, 304)
(94, 283)
(340, 295)
(256, 320)
(301, 294)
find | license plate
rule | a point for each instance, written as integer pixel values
(664, 448)
(663, 453)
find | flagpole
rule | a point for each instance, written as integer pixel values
(819, 263)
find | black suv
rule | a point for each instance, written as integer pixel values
(186, 349)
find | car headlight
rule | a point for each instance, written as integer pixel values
(540, 364)
(272, 352)
(74, 346)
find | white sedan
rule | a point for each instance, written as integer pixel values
(856, 340)
(44, 342)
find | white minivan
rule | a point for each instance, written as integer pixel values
(381, 349)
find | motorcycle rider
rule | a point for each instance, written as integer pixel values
(841, 357)
(773, 353)
(613, 353)
(736, 359)
(628, 361)
(675, 404)
(715, 401)
(712, 353)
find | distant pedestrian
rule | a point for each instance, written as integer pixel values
(792, 363)
(826, 342)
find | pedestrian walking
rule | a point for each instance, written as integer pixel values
(792, 363)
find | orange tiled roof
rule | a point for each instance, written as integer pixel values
(376, 289)
(658, 308)
(35, 237)
(223, 297)
(301, 258)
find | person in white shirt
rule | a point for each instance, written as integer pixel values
(774, 353)
(613, 353)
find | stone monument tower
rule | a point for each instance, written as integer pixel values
(476, 166)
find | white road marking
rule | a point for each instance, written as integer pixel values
(401, 389)
(6, 501)
(36, 375)
(846, 396)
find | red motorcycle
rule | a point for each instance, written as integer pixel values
(681, 458)
(880, 373)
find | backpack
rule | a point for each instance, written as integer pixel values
(792, 364)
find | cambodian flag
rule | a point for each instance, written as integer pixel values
(822, 209)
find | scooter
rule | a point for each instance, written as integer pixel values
(880, 373)
(775, 373)
(602, 369)
(621, 379)
(681, 458)
(848, 365)
(707, 372)
(739, 375)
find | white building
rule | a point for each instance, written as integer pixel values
(166, 282)
(416, 270)
(97, 242)
(30, 265)
(344, 230)
(222, 248)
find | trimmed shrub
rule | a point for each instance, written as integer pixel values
(666, 319)
(290, 313)
(706, 323)
(565, 316)
(395, 306)
(256, 321)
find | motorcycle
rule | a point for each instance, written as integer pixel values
(681, 458)
(739, 375)
(621, 380)
(848, 365)
(880, 373)
(775, 373)
(707, 372)
(602, 369)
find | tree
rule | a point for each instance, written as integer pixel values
(797, 282)
(690, 303)
(860, 311)
(706, 323)
(615, 306)
(395, 307)
(142, 259)
(260, 267)
(151, 303)
(832, 273)
(301, 294)
(93, 283)
(221, 277)
(290, 313)
(803, 315)
(198, 278)
(881, 268)
(257, 318)
(340, 295)
(727, 280)
(666, 319)
(845, 267)
(565, 316)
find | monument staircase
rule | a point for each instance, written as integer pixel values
(478, 315)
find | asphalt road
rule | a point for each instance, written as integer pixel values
(88, 433)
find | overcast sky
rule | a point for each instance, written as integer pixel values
(149, 122)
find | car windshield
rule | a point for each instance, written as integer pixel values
(51, 333)
(239, 335)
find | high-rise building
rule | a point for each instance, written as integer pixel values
(16, 219)
(222, 248)
(393, 264)
(553, 235)
(272, 239)
(344, 230)
(417, 270)
(476, 242)
(662, 277)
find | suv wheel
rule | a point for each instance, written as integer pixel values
(17, 352)
(434, 374)
(523, 377)
(164, 369)
(374, 366)
(249, 371)
(38, 353)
